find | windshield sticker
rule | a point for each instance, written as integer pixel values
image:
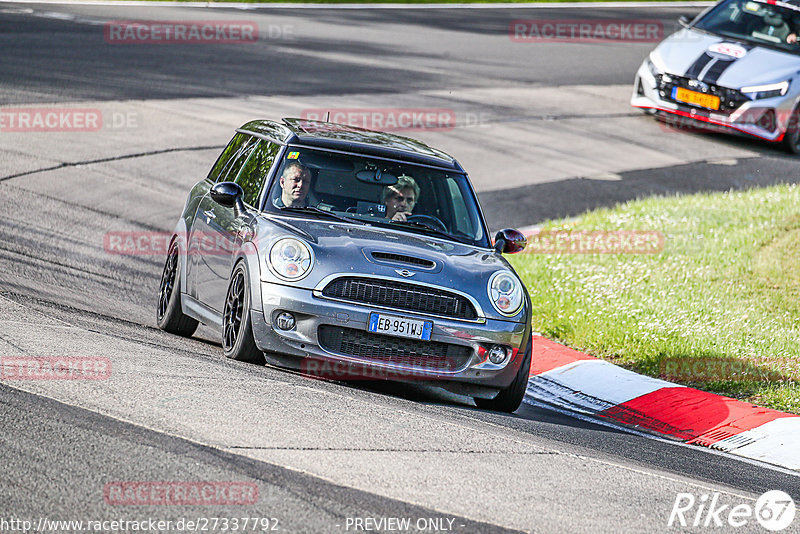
(728, 49)
(752, 6)
(293, 155)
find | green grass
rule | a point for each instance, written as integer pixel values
(724, 289)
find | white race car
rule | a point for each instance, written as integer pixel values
(737, 66)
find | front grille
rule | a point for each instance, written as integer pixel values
(428, 355)
(402, 258)
(729, 99)
(400, 295)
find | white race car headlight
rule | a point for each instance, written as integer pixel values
(770, 90)
(290, 259)
(651, 67)
(505, 292)
(655, 64)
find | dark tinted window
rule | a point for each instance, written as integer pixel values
(225, 158)
(375, 191)
(256, 169)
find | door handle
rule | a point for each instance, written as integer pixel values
(210, 214)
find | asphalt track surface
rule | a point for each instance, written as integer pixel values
(319, 452)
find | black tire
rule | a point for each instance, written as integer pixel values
(169, 315)
(791, 139)
(238, 342)
(509, 399)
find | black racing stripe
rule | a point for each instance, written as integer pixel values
(717, 69)
(698, 66)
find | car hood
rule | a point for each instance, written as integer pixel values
(341, 248)
(682, 52)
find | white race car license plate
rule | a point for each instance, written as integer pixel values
(393, 325)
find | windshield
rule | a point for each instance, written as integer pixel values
(774, 23)
(367, 190)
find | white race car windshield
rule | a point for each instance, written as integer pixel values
(774, 24)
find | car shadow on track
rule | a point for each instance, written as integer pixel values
(430, 395)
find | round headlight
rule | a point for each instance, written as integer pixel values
(505, 292)
(290, 258)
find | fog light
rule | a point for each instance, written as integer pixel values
(497, 354)
(285, 321)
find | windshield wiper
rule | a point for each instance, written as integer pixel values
(429, 229)
(314, 209)
(741, 39)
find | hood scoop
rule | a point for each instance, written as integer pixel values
(393, 258)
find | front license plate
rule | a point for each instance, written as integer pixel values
(693, 97)
(393, 325)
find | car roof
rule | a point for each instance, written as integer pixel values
(345, 138)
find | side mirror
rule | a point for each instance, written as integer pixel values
(229, 194)
(685, 20)
(509, 241)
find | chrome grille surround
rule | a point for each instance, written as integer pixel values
(400, 295)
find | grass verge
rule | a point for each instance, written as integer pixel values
(718, 308)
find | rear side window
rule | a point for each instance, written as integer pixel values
(255, 171)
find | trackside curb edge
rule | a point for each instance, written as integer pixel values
(573, 381)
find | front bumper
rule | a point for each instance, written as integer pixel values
(315, 315)
(764, 119)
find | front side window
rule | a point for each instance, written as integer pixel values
(756, 21)
(254, 173)
(224, 160)
(380, 192)
(237, 161)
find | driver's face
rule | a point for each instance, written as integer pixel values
(401, 200)
(295, 183)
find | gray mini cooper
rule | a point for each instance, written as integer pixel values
(350, 254)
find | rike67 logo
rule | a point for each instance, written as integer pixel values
(774, 511)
